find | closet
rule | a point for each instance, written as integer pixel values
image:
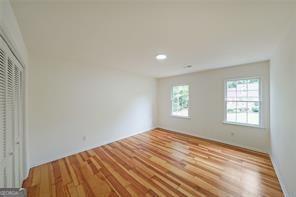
(11, 118)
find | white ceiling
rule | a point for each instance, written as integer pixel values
(128, 34)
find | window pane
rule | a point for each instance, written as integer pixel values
(175, 106)
(253, 95)
(241, 112)
(182, 112)
(242, 85)
(253, 84)
(253, 113)
(242, 95)
(231, 85)
(231, 111)
(180, 100)
(231, 95)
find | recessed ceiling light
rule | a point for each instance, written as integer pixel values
(161, 57)
(188, 66)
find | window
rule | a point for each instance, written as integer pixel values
(243, 101)
(180, 101)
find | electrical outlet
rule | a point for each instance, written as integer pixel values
(84, 138)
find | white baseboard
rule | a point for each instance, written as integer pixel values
(217, 140)
(86, 148)
(277, 171)
(273, 160)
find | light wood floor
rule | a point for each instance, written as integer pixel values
(157, 163)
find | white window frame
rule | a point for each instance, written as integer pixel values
(171, 100)
(260, 125)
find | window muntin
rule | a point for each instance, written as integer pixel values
(180, 101)
(243, 101)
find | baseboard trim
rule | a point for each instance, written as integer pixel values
(237, 146)
(273, 160)
(87, 148)
(280, 178)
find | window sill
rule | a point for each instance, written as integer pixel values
(182, 117)
(244, 125)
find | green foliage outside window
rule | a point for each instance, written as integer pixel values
(180, 98)
(233, 84)
(243, 101)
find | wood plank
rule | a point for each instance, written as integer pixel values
(157, 163)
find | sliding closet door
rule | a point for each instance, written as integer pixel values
(11, 119)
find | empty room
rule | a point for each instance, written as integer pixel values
(147, 98)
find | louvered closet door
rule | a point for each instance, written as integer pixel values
(11, 120)
(10, 126)
(2, 118)
(18, 122)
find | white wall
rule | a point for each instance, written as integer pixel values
(283, 109)
(207, 106)
(69, 101)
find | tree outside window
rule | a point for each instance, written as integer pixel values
(180, 100)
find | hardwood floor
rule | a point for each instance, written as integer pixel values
(157, 163)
